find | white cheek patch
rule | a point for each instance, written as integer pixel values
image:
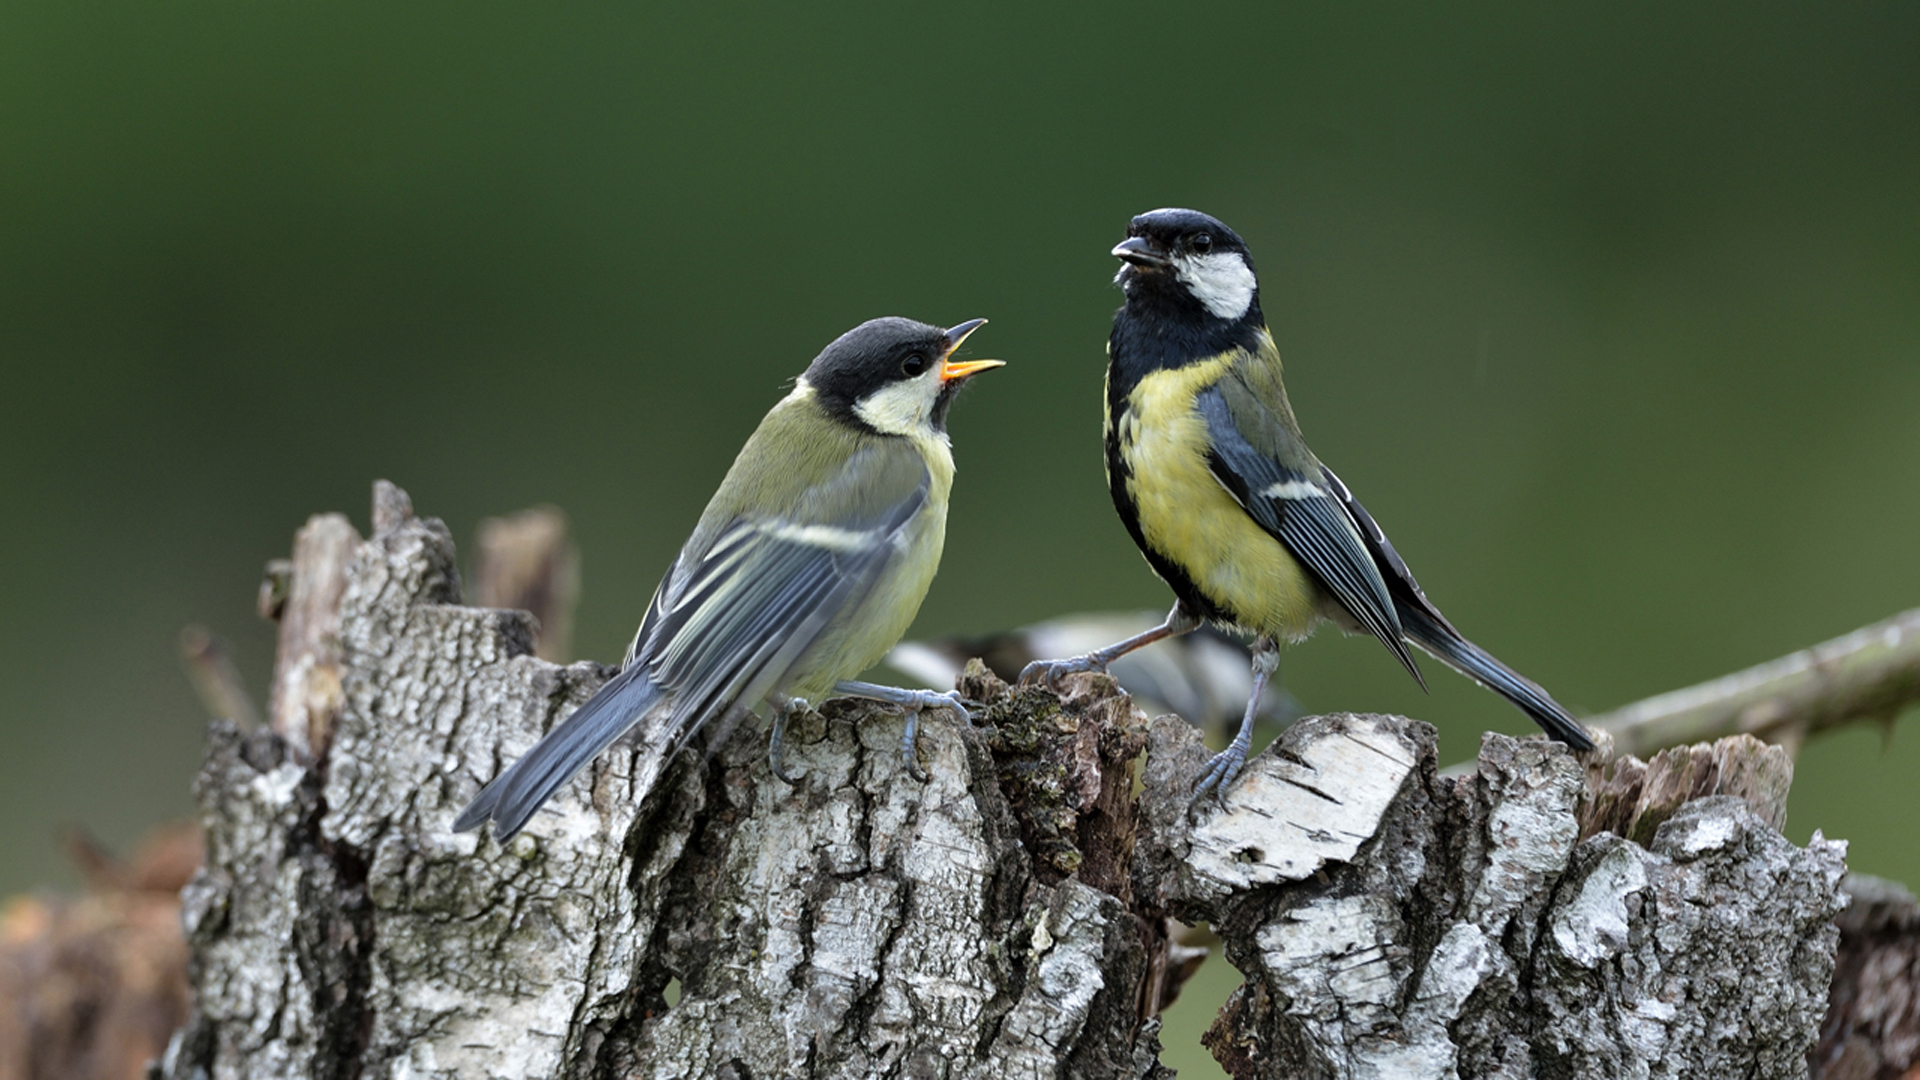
(1224, 283)
(900, 408)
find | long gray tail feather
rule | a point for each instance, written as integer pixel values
(1447, 646)
(515, 795)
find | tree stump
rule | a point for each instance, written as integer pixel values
(1010, 916)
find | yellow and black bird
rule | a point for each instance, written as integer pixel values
(1209, 472)
(807, 566)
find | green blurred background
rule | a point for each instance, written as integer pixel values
(1610, 313)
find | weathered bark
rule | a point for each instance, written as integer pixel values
(1872, 1027)
(1633, 798)
(1007, 917)
(306, 672)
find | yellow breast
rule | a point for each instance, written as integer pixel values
(858, 637)
(1189, 519)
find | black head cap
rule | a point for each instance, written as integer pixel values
(883, 352)
(1172, 232)
(1189, 265)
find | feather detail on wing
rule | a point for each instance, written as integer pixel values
(730, 621)
(740, 608)
(1302, 512)
(513, 796)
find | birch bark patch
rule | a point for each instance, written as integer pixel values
(1593, 926)
(1287, 816)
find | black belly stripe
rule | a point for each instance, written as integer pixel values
(1169, 571)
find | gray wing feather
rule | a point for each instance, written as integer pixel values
(1316, 528)
(513, 796)
(726, 625)
(730, 628)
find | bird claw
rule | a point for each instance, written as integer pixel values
(1049, 672)
(1226, 764)
(920, 701)
(914, 702)
(1221, 772)
(945, 699)
(910, 757)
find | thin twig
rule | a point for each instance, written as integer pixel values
(215, 678)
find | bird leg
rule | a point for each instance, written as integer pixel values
(913, 701)
(1179, 621)
(783, 709)
(1227, 763)
(909, 746)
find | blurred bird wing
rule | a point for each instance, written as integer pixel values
(1297, 506)
(735, 614)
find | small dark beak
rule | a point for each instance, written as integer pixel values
(950, 371)
(1139, 251)
(959, 334)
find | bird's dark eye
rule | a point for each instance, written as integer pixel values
(914, 364)
(1201, 243)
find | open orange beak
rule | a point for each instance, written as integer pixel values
(951, 371)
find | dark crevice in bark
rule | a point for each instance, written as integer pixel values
(336, 953)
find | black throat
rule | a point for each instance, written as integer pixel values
(1162, 326)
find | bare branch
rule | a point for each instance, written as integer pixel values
(1870, 674)
(210, 669)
